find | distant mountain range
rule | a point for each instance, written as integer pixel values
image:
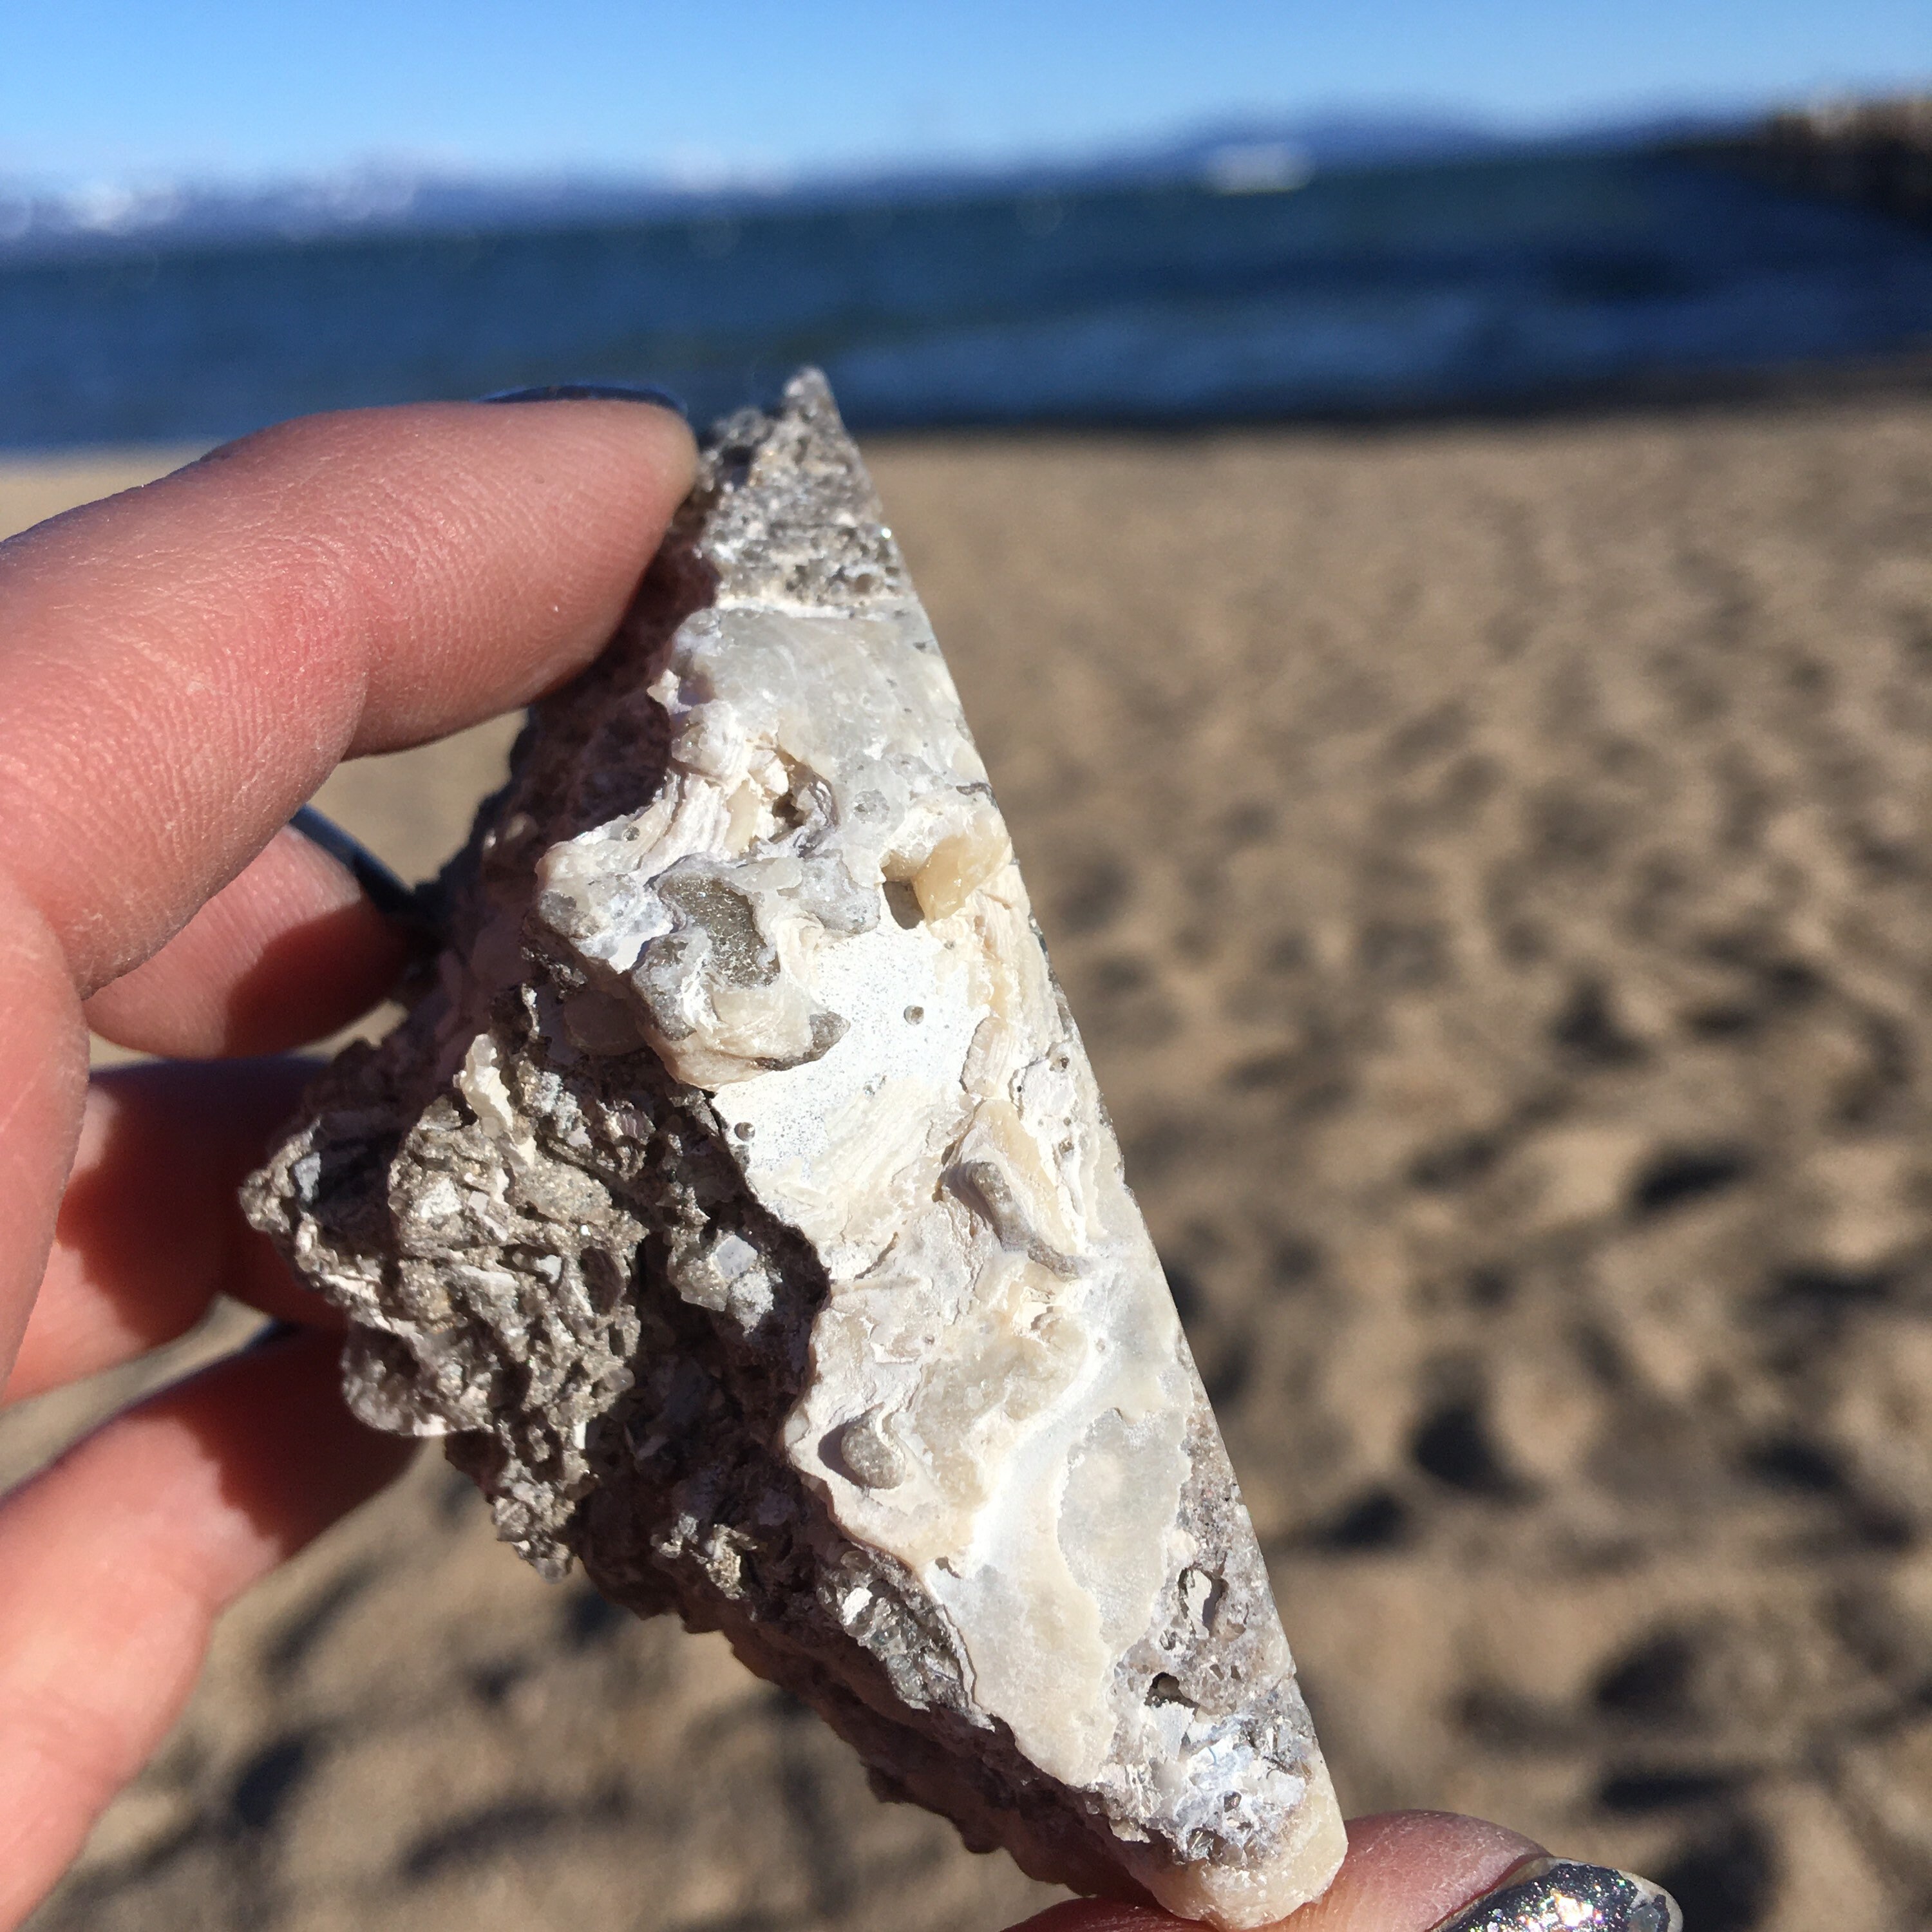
(1251, 155)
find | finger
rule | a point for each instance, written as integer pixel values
(118, 1558)
(185, 663)
(1405, 1871)
(284, 954)
(43, 1088)
(149, 1232)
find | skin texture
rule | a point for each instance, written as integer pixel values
(182, 666)
(1406, 1871)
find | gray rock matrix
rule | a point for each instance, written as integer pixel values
(737, 1201)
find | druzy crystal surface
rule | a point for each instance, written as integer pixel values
(738, 1204)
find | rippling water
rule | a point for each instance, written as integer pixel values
(1478, 282)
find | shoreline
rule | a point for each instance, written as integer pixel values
(38, 481)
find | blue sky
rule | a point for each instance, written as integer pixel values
(129, 89)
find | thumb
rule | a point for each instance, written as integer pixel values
(1418, 1871)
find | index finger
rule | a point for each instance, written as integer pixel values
(180, 667)
(184, 664)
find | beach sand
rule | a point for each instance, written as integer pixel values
(1489, 864)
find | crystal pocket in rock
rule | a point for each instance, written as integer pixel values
(738, 1204)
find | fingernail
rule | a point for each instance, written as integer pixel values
(593, 392)
(1545, 1894)
(271, 1334)
(385, 891)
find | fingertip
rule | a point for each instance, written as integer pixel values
(1406, 1871)
(514, 492)
(597, 392)
(1406, 1838)
(656, 413)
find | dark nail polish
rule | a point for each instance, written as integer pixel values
(386, 892)
(593, 392)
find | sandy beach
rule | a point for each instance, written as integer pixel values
(1489, 863)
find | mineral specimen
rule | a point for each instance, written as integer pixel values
(738, 1204)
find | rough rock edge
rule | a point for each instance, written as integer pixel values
(550, 1310)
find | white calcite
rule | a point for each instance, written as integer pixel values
(740, 1203)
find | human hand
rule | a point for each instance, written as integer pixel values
(183, 666)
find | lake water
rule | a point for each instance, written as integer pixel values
(1479, 283)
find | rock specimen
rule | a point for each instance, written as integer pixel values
(738, 1204)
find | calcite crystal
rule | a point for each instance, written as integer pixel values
(738, 1204)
